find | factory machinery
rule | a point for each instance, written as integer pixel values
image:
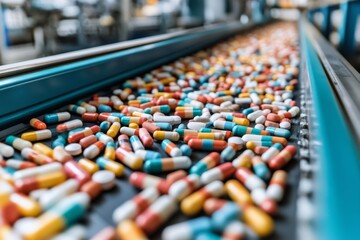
(322, 195)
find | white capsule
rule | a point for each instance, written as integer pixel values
(196, 125)
(260, 119)
(104, 138)
(254, 115)
(253, 182)
(105, 178)
(259, 126)
(135, 109)
(294, 111)
(76, 232)
(60, 191)
(235, 230)
(183, 187)
(77, 109)
(127, 131)
(91, 152)
(30, 172)
(243, 101)
(285, 125)
(255, 98)
(215, 116)
(131, 208)
(6, 150)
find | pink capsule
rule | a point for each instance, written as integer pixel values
(146, 138)
(73, 170)
(143, 180)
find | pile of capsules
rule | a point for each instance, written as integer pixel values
(233, 103)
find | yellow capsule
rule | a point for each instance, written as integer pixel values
(128, 230)
(136, 114)
(241, 121)
(193, 204)
(289, 88)
(115, 167)
(134, 102)
(134, 125)
(244, 95)
(5, 190)
(114, 129)
(88, 165)
(238, 193)
(42, 148)
(168, 80)
(258, 220)
(48, 225)
(250, 145)
(36, 135)
(110, 152)
(50, 179)
(270, 96)
(161, 135)
(26, 206)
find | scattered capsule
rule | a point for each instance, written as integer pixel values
(170, 148)
(267, 204)
(124, 142)
(37, 124)
(280, 132)
(238, 193)
(175, 176)
(185, 186)
(26, 206)
(41, 148)
(88, 165)
(143, 180)
(207, 144)
(73, 170)
(48, 168)
(76, 137)
(19, 164)
(146, 138)
(161, 135)
(133, 207)
(45, 180)
(129, 159)
(235, 230)
(114, 129)
(106, 178)
(156, 214)
(208, 162)
(36, 157)
(272, 152)
(166, 164)
(186, 150)
(110, 151)
(192, 204)
(260, 168)
(229, 152)
(136, 143)
(36, 135)
(128, 230)
(277, 185)
(249, 179)
(187, 230)
(242, 130)
(94, 150)
(69, 125)
(221, 172)
(283, 157)
(56, 117)
(228, 213)
(104, 138)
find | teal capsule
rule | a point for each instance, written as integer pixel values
(189, 229)
(162, 108)
(104, 126)
(205, 130)
(164, 126)
(9, 170)
(75, 130)
(104, 108)
(136, 143)
(208, 162)
(239, 131)
(207, 236)
(182, 126)
(126, 120)
(56, 117)
(59, 141)
(280, 132)
(228, 153)
(76, 109)
(118, 115)
(260, 169)
(147, 154)
(249, 110)
(159, 165)
(186, 150)
(225, 215)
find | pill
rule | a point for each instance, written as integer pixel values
(56, 117)
(260, 168)
(136, 143)
(107, 233)
(157, 214)
(242, 130)
(73, 149)
(133, 207)
(70, 125)
(170, 148)
(48, 168)
(105, 178)
(76, 232)
(207, 236)
(258, 221)
(110, 165)
(234, 231)
(277, 185)
(221, 172)
(129, 159)
(222, 217)
(208, 162)
(128, 230)
(185, 186)
(238, 193)
(238, 121)
(124, 143)
(261, 199)
(94, 150)
(187, 230)
(207, 144)
(60, 155)
(45, 180)
(19, 164)
(175, 176)
(143, 180)
(146, 138)
(91, 188)
(224, 125)
(17, 143)
(76, 137)
(73, 170)
(36, 157)
(186, 150)
(147, 154)
(249, 179)
(90, 116)
(229, 152)
(283, 157)
(26, 206)
(37, 124)
(88, 165)
(161, 135)
(151, 127)
(278, 132)
(192, 204)
(114, 129)
(41, 148)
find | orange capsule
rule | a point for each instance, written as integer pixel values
(207, 144)
(37, 124)
(283, 157)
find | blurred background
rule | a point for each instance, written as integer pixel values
(35, 28)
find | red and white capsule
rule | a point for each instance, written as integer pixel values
(249, 179)
(183, 187)
(221, 172)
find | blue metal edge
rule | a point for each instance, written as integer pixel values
(338, 176)
(32, 94)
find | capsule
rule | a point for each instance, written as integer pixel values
(228, 213)
(113, 130)
(129, 159)
(65, 213)
(170, 148)
(88, 165)
(192, 204)
(136, 143)
(253, 144)
(208, 162)
(89, 108)
(221, 172)
(56, 117)
(26, 206)
(124, 142)
(128, 230)
(143, 180)
(36, 135)
(254, 138)
(185, 186)
(161, 135)
(175, 176)
(130, 209)
(46, 180)
(249, 179)
(161, 108)
(207, 144)
(36, 157)
(43, 149)
(94, 150)
(182, 131)
(260, 222)
(234, 231)
(187, 230)
(112, 166)
(186, 150)
(260, 198)
(19, 164)
(238, 121)
(129, 131)
(260, 168)
(151, 127)
(226, 133)
(110, 151)
(157, 214)
(69, 125)
(146, 138)
(37, 124)
(106, 179)
(283, 157)
(204, 135)
(188, 113)
(107, 117)
(61, 155)
(107, 233)
(52, 196)
(228, 153)
(76, 137)
(73, 170)
(90, 116)
(224, 125)
(166, 164)
(43, 169)
(277, 185)
(238, 193)
(207, 236)
(60, 140)
(242, 130)
(104, 138)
